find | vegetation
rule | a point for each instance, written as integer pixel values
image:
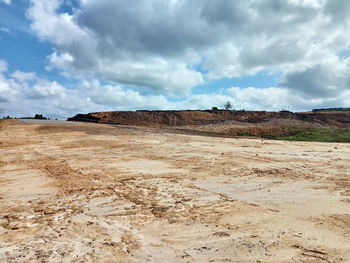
(298, 133)
(332, 109)
(214, 108)
(228, 106)
(40, 117)
(36, 116)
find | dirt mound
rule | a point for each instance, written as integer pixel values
(197, 117)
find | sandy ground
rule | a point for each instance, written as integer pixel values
(97, 193)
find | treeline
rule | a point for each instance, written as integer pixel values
(331, 109)
(36, 116)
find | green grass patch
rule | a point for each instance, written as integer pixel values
(312, 134)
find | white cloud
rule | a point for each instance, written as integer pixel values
(159, 45)
(8, 2)
(5, 29)
(82, 52)
(23, 76)
(3, 65)
(25, 94)
(273, 99)
(8, 90)
(129, 55)
(329, 79)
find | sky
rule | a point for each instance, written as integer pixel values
(63, 57)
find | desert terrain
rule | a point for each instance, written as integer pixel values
(86, 192)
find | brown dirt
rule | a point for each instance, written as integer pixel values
(98, 193)
(340, 119)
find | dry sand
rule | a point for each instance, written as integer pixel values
(97, 193)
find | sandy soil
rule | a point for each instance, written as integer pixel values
(97, 193)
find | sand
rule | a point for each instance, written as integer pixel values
(99, 193)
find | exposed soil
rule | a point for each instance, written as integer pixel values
(99, 193)
(339, 119)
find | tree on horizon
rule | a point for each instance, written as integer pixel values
(228, 105)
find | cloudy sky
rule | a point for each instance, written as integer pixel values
(61, 57)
